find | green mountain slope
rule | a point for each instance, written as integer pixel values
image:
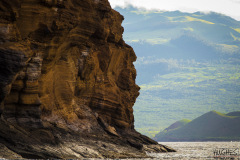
(161, 27)
(210, 126)
(234, 114)
(177, 124)
(188, 64)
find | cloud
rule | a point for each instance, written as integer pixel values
(227, 7)
(236, 1)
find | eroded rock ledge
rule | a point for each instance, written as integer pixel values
(67, 82)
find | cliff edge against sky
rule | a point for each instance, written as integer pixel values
(67, 82)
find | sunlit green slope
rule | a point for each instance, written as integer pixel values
(188, 64)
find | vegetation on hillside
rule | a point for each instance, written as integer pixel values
(188, 64)
(214, 126)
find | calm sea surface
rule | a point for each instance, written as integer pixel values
(201, 150)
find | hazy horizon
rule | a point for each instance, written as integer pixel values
(226, 7)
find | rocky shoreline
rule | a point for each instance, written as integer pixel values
(47, 143)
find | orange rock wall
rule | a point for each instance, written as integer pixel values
(64, 62)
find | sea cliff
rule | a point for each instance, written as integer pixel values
(67, 82)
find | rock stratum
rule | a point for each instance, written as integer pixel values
(67, 82)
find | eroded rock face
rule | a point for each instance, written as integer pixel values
(64, 65)
(62, 59)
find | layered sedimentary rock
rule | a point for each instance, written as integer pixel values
(67, 81)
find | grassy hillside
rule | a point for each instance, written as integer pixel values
(187, 92)
(188, 64)
(210, 126)
(177, 124)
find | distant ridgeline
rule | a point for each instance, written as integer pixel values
(188, 64)
(212, 126)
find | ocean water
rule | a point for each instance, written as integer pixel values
(200, 150)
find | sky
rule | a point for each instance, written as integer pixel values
(228, 7)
